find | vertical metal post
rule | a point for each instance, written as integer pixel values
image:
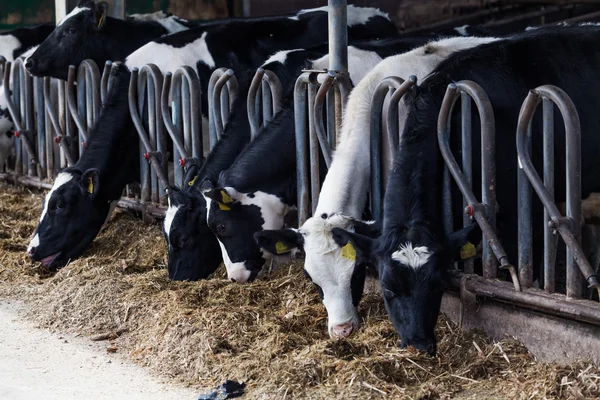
(313, 148)
(550, 239)
(338, 35)
(467, 160)
(525, 230)
(118, 9)
(302, 168)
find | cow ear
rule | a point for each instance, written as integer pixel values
(221, 196)
(101, 12)
(354, 246)
(280, 241)
(90, 180)
(191, 177)
(462, 243)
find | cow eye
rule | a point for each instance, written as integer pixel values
(59, 205)
(387, 293)
(221, 230)
(183, 241)
(71, 31)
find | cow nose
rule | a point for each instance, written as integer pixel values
(31, 251)
(423, 346)
(239, 275)
(29, 64)
(342, 331)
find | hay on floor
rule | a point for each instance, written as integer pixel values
(271, 333)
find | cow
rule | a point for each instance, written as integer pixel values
(412, 253)
(82, 196)
(344, 192)
(87, 32)
(15, 42)
(308, 28)
(259, 189)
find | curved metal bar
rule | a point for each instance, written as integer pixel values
(173, 131)
(20, 133)
(88, 74)
(251, 102)
(261, 79)
(60, 136)
(150, 152)
(569, 226)
(186, 82)
(217, 80)
(484, 211)
(302, 156)
(73, 106)
(105, 81)
(379, 95)
(326, 148)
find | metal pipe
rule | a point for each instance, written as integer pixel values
(313, 144)
(150, 153)
(569, 226)
(73, 106)
(319, 125)
(60, 137)
(173, 131)
(401, 87)
(218, 79)
(302, 162)
(338, 35)
(251, 102)
(550, 239)
(481, 211)
(104, 81)
(467, 161)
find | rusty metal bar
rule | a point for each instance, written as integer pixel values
(150, 144)
(400, 87)
(484, 211)
(569, 226)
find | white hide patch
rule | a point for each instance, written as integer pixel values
(73, 13)
(272, 209)
(413, 257)
(168, 58)
(328, 269)
(25, 55)
(236, 271)
(355, 15)
(60, 180)
(155, 16)
(462, 30)
(172, 24)
(280, 56)
(8, 45)
(360, 63)
(35, 242)
(169, 217)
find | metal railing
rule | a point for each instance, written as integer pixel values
(569, 227)
(395, 88)
(264, 99)
(220, 102)
(315, 136)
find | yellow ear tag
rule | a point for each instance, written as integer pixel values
(100, 20)
(224, 207)
(467, 251)
(225, 197)
(349, 252)
(90, 187)
(281, 248)
(191, 183)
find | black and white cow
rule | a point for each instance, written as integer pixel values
(344, 192)
(193, 249)
(304, 28)
(16, 42)
(412, 253)
(87, 32)
(259, 189)
(83, 195)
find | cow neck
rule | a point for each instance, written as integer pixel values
(122, 37)
(112, 147)
(268, 163)
(413, 193)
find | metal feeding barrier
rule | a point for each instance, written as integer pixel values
(315, 137)
(220, 102)
(264, 99)
(569, 226)
(484, 211)
(395, 88)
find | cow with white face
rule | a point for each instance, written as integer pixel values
(257, 192)
(83, 195)
(344, 192)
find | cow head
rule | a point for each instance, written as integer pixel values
(336, 267)
(77, 37)
(72, 216)
(234, 218)
(412, 266)
(193, 249)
